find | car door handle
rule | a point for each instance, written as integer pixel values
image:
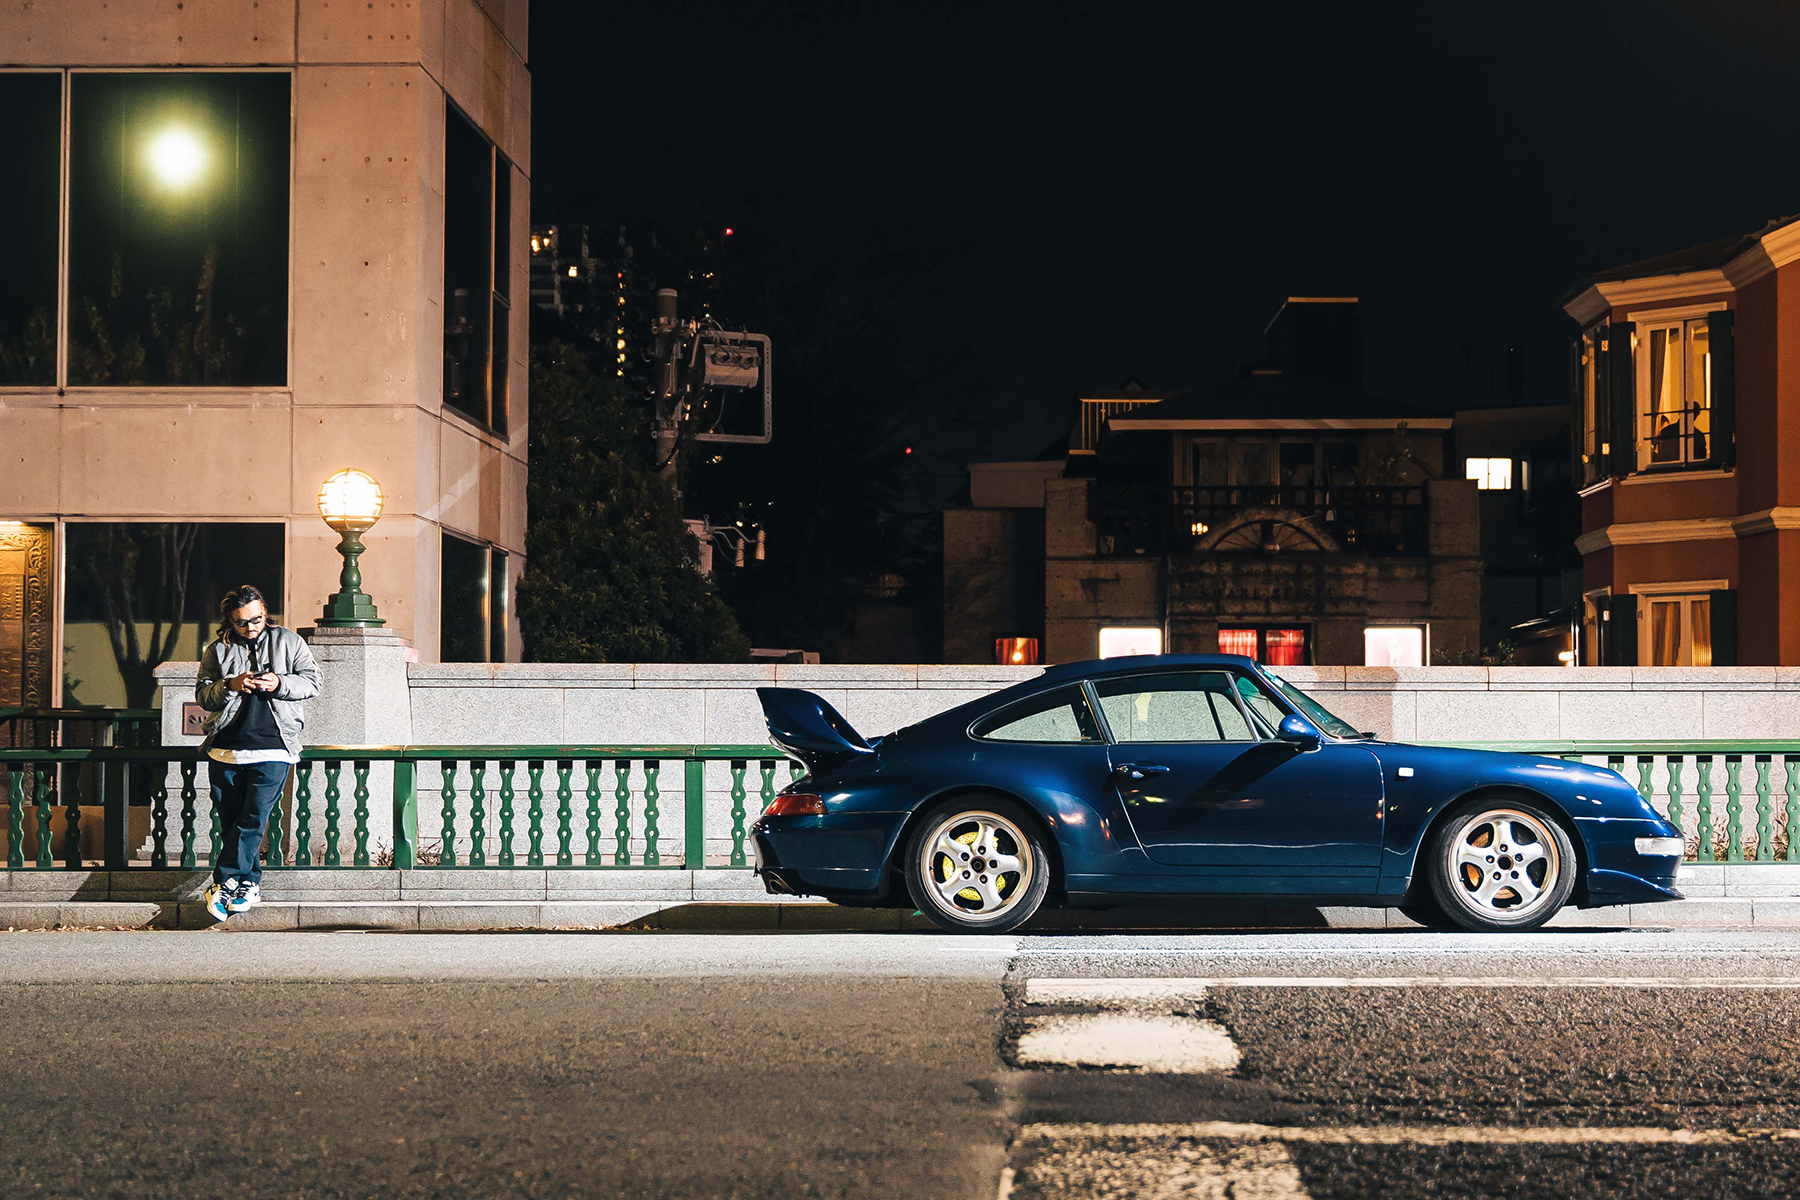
(1139, 770)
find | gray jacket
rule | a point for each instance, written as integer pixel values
(286, 654)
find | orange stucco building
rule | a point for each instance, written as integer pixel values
(1686, 382)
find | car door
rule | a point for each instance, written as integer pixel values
(1205, 788)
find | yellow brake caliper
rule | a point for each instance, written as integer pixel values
(970, 893)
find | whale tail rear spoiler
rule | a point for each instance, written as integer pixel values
(805, 726)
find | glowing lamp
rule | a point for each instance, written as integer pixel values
(350, 502)
(176, 156)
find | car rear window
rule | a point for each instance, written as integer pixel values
(1059, 716)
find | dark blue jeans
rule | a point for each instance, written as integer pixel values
(242, 795)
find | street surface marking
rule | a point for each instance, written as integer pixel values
(1177, 1045)
(1113, 993)
(1409, 1135)
(1121, 993)
(1191, 1171)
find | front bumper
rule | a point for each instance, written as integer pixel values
(1618, 872)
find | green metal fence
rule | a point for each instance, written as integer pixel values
(603, 807)
(521, 806)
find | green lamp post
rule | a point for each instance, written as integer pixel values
(350, 502)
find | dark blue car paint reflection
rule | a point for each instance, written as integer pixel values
(1253, 815)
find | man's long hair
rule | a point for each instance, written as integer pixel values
(236, 598)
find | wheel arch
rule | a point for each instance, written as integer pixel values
(1484, 793)
(894, 873)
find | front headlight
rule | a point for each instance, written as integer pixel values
(1669, 847)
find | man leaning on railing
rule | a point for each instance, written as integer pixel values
(253, 678)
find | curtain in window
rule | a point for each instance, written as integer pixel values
(1238, 641)
(1665, 395)
(1287, 647)
(1700, 633)
(1699, 390)
(1665, 633)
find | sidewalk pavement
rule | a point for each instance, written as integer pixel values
(730, 900)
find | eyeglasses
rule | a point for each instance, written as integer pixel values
(252, 621)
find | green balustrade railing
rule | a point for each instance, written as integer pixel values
(326, 820)
(102, 794)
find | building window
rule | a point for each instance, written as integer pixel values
(1490, 474)
(1274, 646)
(477, 273)
(1675, 630)
(31, 141)
(1117, 641)
(1017, 651)
(473, 602)
(1674, 392)
(178, 229)
(1394, 646)
(141, 593)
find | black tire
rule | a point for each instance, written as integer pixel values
(1477, 857)
(1424, 911)
(992, 900)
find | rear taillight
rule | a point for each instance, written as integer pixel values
(796, 804)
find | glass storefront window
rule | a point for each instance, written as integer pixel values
(1274, 646)
(141, 593)
(31, 141)
(1117, 641)
(1394, 646)
(178, 229)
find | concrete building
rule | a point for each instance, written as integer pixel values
(250, 244)
(1279, 515)
(1687, 452)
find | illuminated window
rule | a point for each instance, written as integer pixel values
(1394, 646)
(1012, 651)
(1490, 474)
(1674, 392)
(1275, 646)
(1117, 641)
(1675, 630)
(177, 229)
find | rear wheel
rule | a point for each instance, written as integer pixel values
(977, 865)
(1501, 864)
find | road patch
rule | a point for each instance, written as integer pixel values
(1134, 1041)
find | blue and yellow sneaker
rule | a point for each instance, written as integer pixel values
(244, 896)
(219, 897)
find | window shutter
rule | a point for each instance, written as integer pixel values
(1577, 412)
(1619, 643)
(1722, 344)
(1724, 627)
(1621, 381)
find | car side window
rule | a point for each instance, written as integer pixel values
(1178, 706)
(1059, 716)
(1260, 702)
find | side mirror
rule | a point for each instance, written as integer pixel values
(1299, 733)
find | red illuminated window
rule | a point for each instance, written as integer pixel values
(1017, 652)
(1273, 646)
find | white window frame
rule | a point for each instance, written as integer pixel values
(1686, 592)
(1644, 324)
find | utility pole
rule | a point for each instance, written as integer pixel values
(667, 331)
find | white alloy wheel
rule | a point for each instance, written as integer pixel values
(1503, 866)
(976, 868)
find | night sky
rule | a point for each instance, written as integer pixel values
(1114, 191)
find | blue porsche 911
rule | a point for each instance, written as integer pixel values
(1128, 779)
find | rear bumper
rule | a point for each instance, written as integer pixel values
(840, 856)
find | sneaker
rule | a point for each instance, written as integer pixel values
(245, 896)
(218, 899)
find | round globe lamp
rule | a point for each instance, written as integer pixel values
(350, 502)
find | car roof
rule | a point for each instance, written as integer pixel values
(1096, 668)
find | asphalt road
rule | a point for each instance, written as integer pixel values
(326, 1065)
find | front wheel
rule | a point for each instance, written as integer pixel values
(1500, 865)
(977, 865)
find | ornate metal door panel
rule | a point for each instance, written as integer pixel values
(25, 617)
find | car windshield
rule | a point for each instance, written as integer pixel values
(1315, 712)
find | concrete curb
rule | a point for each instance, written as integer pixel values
(727, 916)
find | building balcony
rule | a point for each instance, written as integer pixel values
(1385, 521)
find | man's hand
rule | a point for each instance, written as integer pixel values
(268, 681)
(242, 683)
